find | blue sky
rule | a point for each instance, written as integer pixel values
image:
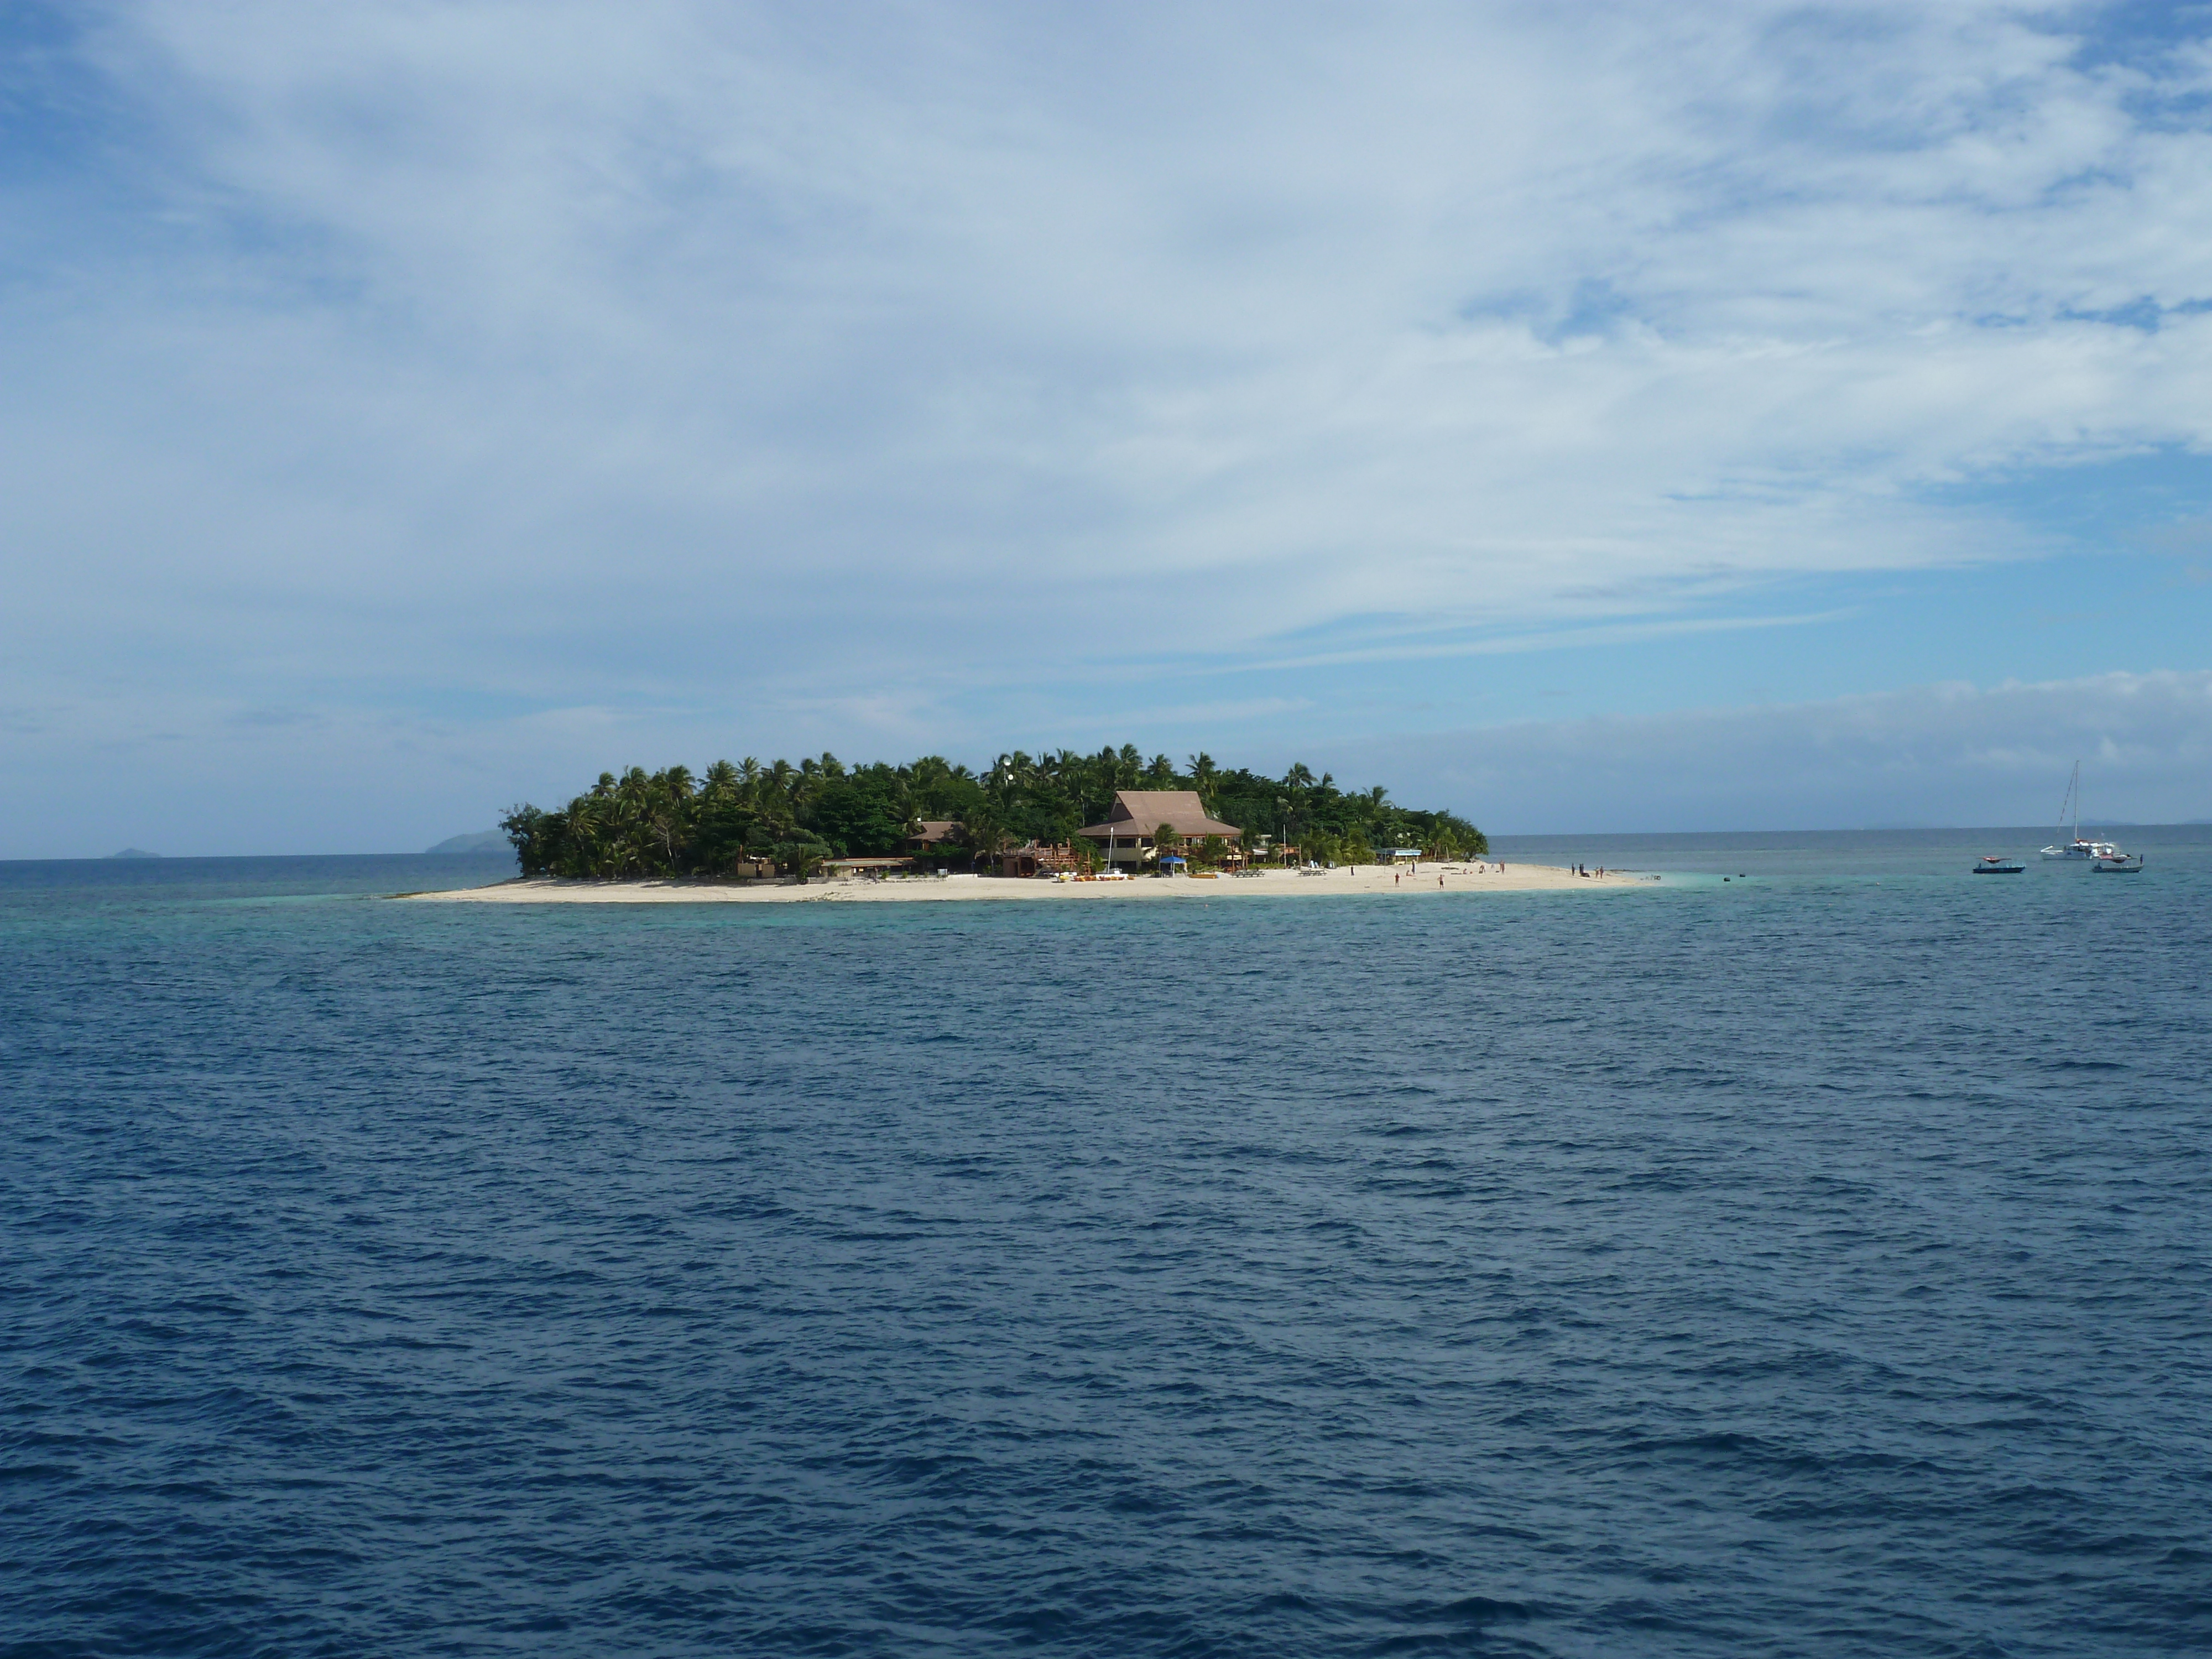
(408, 410)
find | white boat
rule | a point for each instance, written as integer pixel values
(2078, 849)
(2084, 850)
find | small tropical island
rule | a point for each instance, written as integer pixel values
(1063, 824)
(746, 820)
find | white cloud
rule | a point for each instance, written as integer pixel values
(1927, 756)
(744, 358)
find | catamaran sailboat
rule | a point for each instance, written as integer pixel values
(2077, 847)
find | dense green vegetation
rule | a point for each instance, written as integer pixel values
(675, 824)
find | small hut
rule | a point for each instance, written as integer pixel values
(1032, 859)
(866, 866)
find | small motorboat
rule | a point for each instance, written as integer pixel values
(1993, 864)
(2117, 864)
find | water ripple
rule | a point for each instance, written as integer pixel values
(1797, 1268)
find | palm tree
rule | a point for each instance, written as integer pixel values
(1165, 841)
(1203, 774)
(781, 783)
(664, 817)
(628, 836)
(984, 832)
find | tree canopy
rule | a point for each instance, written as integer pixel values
(736, 815)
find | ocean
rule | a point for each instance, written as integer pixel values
(1805, 1254)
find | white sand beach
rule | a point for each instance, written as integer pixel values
(1368, 879)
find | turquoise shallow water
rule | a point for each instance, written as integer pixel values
(1812, 1264)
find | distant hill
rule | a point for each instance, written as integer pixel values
(134, 852)
(487, 841)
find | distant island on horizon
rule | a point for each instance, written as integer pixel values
(134, 852)
(745, 819)
(483, 841)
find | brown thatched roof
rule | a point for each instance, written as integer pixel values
(1139, 812)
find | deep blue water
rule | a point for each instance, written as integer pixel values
(1815, 1264)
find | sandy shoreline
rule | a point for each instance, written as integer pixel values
(1458, 877)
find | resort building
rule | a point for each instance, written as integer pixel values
(1126, 836)
(866, 866)
(935, 834)
(1031, 859)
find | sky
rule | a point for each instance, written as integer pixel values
(1589, 417)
